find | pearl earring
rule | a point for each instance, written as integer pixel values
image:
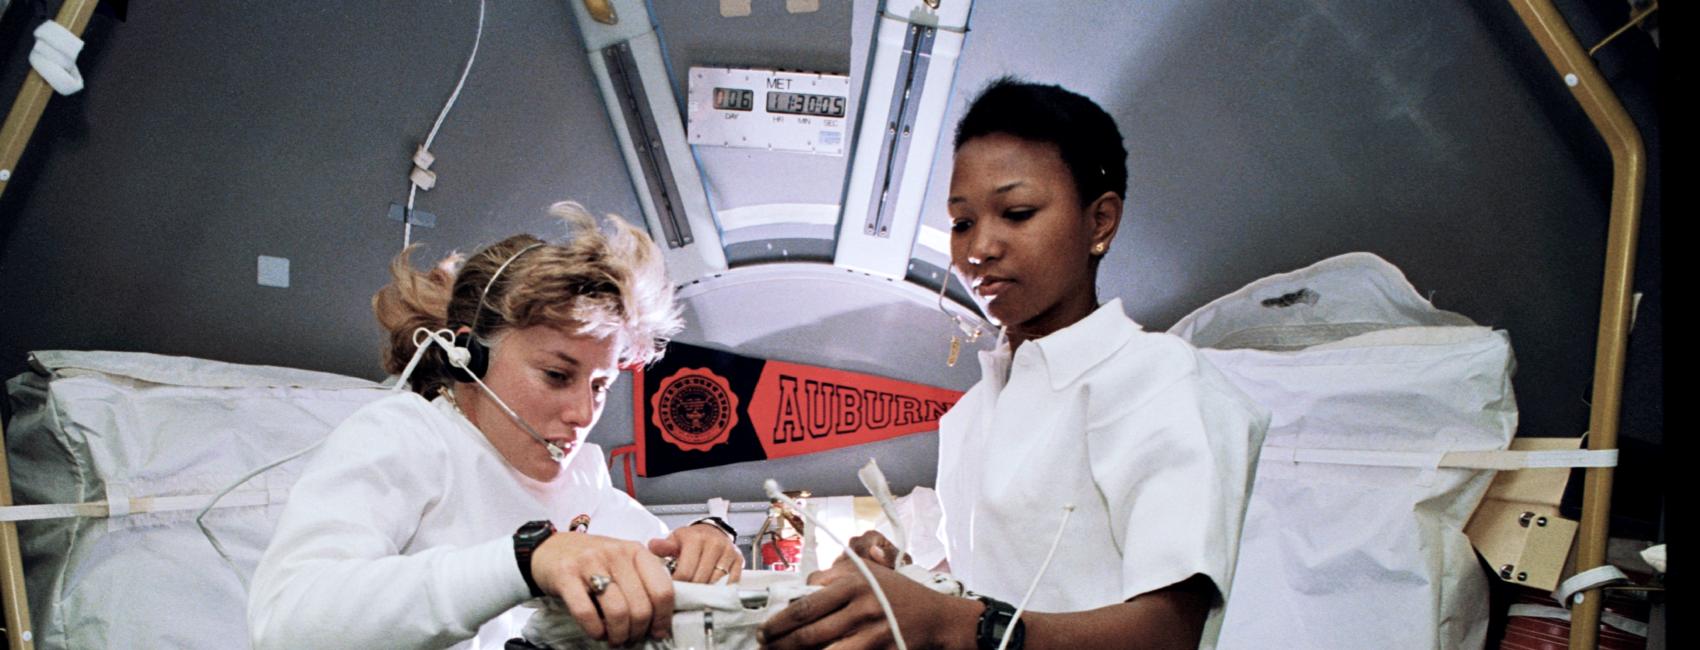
(1099, 248)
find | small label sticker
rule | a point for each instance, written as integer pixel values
(274, 271)
(734, 8)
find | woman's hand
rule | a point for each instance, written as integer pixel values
(874, 547)
(847, 615)
(703, 552)
(637, 601)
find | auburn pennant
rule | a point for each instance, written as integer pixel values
(700, 407)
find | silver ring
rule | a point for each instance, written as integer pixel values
(672, 564)
(598, 583)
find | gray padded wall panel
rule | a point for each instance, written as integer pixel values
(211, 133)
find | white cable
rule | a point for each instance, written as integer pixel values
(773, 492)
(423, 158)
(442, 337)
(555, 450)
(874, 480)
(1067, 510)
(199, 517)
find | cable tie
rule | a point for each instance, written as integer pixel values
(422, 158)
(423, 178)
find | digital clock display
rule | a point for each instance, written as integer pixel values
(767, 110)
(734, 99)
(805, 104)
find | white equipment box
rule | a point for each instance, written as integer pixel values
(768, 109)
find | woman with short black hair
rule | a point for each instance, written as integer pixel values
(1143, 439)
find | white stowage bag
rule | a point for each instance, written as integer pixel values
(705, 616)
(720, 615)
(1347, 356)
(110, 426)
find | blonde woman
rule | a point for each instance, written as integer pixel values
(429, 516)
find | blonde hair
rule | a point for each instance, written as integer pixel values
(593, 283)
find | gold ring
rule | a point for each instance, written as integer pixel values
(725, 568)
(598, 583)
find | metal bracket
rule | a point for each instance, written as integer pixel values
(900, 126)
(646, 139)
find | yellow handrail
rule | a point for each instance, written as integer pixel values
(1628, 176)
(12, 595)
(32, 99)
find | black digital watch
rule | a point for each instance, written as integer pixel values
(721, 524)
(526, 540)
(994, 623)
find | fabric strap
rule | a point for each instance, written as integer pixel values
(139, 505)
(1495, 460)
(54, 57)
(1599, 576)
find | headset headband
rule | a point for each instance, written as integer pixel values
(479, 315)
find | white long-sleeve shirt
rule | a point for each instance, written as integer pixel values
(1153, 447)
(399, 534)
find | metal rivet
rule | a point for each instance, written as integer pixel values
(1571, 80)
(1541, 521)
(1505, 571)
(1522, 576)
(6, 175)
(1524, 519)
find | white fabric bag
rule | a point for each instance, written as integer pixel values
(112, 426)
(719, 615)
(1356, 552)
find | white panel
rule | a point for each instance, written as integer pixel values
(703, 253)
(768, 110)
(887, 253)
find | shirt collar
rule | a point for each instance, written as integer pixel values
(1071, 351)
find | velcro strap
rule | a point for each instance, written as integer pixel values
(1511, 460)
(54, 57)
(1570, 591)
(718, 507)
(117, 501)
(118, 504)
(1496, 460)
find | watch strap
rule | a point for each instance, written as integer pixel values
(995, 623)
(721, 524)
(526, 540)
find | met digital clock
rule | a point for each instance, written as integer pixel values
(775, 110)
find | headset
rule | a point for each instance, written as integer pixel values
(475, 362)
(469, 357)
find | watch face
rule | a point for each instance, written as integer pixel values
(534, 532)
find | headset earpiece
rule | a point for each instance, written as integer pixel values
(469, 359)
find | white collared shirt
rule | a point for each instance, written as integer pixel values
(1149, 442)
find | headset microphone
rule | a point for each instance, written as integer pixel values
(460, 358)
(555, 451)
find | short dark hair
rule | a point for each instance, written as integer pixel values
(1085, 136)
